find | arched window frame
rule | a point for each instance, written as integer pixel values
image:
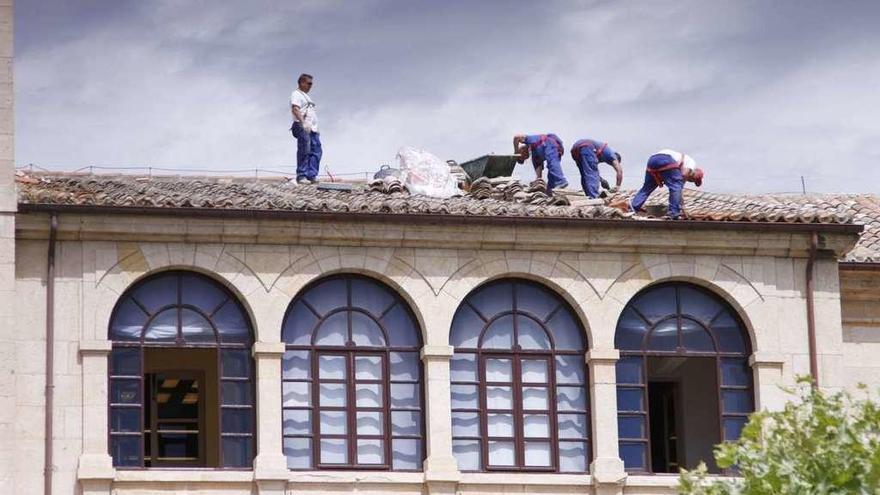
(303, 446)
(731, 351)
(516, 354)
(234, 364)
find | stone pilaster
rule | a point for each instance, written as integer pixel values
(441, 467)
(768, 377)
(607, 467)
(8, 204)
(270, 465)
(95, 471)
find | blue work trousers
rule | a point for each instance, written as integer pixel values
(673, 179)
(308, 152)
(548, 152)
(588, 165)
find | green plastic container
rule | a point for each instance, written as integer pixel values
(490, 166)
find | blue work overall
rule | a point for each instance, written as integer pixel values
(308, 152)
(662, 169)
(588, 154)
(548, 148)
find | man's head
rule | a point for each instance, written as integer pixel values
(523, 152)
(694, 175)
(304, 82)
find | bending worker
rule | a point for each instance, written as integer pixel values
(673, 169)
(542, 148)
(588, 154)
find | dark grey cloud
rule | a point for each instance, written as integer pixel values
(759, 92)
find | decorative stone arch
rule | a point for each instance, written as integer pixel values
(719, 278)
(578, 293)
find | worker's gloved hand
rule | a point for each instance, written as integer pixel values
(613, 189)
(307, 126)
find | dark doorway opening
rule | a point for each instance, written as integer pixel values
(683, 409)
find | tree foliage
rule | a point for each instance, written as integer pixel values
(821, 444)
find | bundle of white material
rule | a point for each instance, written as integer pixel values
(426, 174)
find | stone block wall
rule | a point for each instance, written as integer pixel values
(767, 291)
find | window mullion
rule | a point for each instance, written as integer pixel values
(518, 420)
(351, 406)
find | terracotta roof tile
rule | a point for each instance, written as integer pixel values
(486, 197)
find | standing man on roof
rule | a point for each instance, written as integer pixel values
(588, 154)
(673, 169)
(542, 148)
(305, 130)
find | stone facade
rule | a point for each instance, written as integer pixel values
(266, 263)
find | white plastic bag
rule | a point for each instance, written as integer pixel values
(424, 173)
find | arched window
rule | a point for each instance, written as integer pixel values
(684, 382)
(352, 378)
(181, 375)
(519, 394)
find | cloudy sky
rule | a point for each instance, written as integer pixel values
(759, 92)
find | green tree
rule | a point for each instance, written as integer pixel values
(821, 444)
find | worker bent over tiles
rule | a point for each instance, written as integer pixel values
(542, 148)
(673, 169)
(588, 154)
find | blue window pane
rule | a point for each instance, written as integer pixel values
(125, 419)
(334, 330)
(467, 453)
(492, 299)
(126, 451)
(664, 337)
(232, 324)
(631, 426)
(125, 361)
(570, 369)
(531, 335)
(404, 366)
(195, 328)
(297, 422)
(125, 391)
(736, 401)
(735, 372)
(536, 301)
(634, 455)
(128, 322)
(567, 332)
(631, 331)
(406, 423)
(694, 337)
(463, 368)
(499, 335)
(733, 428)
(370, 296)
(327, 295)
(298, 452)
(465, 397)
(299, 325)
(630, 399)
(236, 393)
(237, 420)
(406, 454)
(572, 425)
(405, 396)
(571, 399)
(656, 303)
(235, 363)
(238, 451)
(573, 457)
(163, 328)
(401, 327)
(465, 424)
(698, 303)
(731, 336)
(201, 293)
(466, 328)
(297, 365)
(629, 370)
(365, 332)
(157, 292)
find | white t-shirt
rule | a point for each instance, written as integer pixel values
(306, 107)
(689, 162)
